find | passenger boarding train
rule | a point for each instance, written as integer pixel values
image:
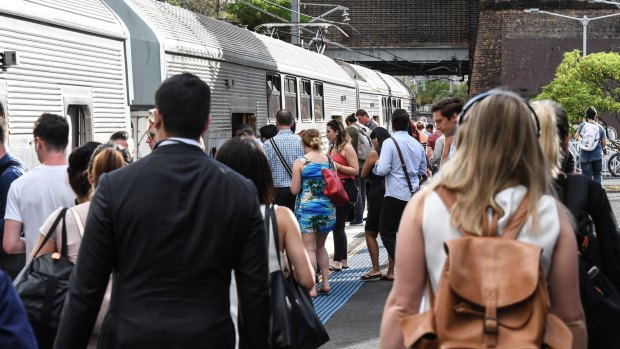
(99, 63)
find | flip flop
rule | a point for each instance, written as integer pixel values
(385, 278)
(368, 277)
(347, 267)
(334, 268)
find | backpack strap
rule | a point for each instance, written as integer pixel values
(449, 200)
(78, 220)
(518, 220)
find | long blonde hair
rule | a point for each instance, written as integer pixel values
(497, 148)
(549, 139)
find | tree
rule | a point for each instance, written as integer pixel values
(247, 12)
(440, 88)
(584, 81)
(211, 8)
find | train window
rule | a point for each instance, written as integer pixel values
(305, 100)
(77, 113)
(319, 107)
(290, 96)
(399, 104)
(273, 95)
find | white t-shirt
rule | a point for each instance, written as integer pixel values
(34, 196)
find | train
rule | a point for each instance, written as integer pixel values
(99, 63)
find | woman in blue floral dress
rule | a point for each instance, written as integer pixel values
(315, 212)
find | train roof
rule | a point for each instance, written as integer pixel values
(397, 86)
(184, 32)
(377, 81)
(91, 16)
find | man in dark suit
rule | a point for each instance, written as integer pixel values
(172, 227)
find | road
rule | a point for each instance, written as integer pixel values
(353, 311)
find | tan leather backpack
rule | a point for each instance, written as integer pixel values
(492, 293)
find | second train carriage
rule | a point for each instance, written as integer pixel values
(70, 61)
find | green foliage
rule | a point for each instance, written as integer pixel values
(584, 81)
(252, 17)
(211, 8)
(437, 89)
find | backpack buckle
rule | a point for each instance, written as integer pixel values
(490, 325)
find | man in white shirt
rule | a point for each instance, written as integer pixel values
(445, 112)
(35, 195)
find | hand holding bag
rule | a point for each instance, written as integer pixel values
(334, 189)
(294, 321)
(43, 284)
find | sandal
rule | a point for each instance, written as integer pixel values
(331, 268)
(368, 277)
(322, 292)
(386, 278)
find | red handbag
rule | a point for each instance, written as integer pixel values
(334, 189)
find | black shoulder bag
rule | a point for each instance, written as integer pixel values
(404, 167)
(294, 321)
(43, 284)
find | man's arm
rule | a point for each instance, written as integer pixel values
(13, 225)
(90, 276)
(252, 274)
(384, 164)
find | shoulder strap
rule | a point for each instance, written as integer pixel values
(78, 221)
(275, 260)
(402, 161)
(9, 164)
(284, 163)
(518, 219)
(60, 216)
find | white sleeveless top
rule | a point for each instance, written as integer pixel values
(437, 229)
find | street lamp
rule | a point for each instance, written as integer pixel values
(584, 22)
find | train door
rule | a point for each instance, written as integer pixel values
(78, 110)
(385, 110)
(242, 120)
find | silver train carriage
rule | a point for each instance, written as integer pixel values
(100, 61)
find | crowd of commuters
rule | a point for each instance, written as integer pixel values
(201, 266)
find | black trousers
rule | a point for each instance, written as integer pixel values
(391, 212)
(340, 236)
(12, 264)
(284, 197)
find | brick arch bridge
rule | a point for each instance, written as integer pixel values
(495, 42)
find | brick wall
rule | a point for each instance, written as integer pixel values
(521, 50)
(397, 23)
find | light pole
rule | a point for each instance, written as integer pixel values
(583, 20)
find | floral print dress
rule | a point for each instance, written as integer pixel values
(315, 212)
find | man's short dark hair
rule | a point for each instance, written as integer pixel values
(448, 106)
(400, 120)
(184, 102)
(361, 112)
(351, 119)
(4, 131)
(119, 136)
(268, 131)
(591, 113)
(53, 130)
(429, 126)
(284, 117)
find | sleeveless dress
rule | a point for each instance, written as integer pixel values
(436, 228)
(315, 212)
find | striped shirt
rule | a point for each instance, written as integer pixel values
(291, 148)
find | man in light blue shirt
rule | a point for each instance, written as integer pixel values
(398, 188)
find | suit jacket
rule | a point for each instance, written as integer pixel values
(171, 228)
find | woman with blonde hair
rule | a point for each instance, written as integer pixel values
(105, 158)
(345, 161)
(314, 211)
(497, 162)
(423, 137)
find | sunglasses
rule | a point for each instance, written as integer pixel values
(480, 97)
(150, 136)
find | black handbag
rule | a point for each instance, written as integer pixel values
(42, 286)
(294, 321)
